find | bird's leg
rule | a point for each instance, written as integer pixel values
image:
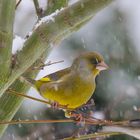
(78, 117)
(55, 105)
(86, 109)
(78, 114)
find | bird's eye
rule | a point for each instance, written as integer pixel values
(94, 61)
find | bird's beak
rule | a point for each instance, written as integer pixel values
(102, 66)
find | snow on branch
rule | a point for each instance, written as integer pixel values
(18, 44)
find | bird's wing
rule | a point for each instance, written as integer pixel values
(52, 77)
(57, 75)
(59, 86)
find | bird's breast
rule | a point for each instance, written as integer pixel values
(73, 92)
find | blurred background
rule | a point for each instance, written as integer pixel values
(115, 33)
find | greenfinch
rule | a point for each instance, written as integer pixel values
(73, 86)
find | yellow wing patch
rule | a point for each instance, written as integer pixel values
(42, 81)
(45, 79)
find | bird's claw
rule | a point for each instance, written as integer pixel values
(77, 117)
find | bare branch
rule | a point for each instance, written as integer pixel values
(38, 9)
(17, 4)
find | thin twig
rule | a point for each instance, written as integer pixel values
(106, 122)
(85, 121)
(38, 9)
(36, 121)
(10, 91)
(47, 64)
(88, 120)
(94, 135)
(17, 4)
(82, 137)
(51, 63)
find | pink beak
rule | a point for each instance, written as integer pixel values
(102, 66)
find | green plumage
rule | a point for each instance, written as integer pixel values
(72, 86)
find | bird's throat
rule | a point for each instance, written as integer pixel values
(96, 72)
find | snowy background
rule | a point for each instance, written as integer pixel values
(115, 33)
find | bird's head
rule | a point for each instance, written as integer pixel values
(92, 60)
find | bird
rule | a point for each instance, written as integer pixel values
(73, 86)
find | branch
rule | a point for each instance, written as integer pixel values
(53, 5)
(10, 91)
(38, 9)
(40, 67)
(10, 104)
(18, 3)
(89, 121)
(94, 135)
(36, 121)
(7, 10)
(131, 131)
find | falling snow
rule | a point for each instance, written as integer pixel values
(83, 41)
(35, 117)
(135, 108)
(19, 125)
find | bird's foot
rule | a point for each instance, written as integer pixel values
(55, 105)
(78, 117)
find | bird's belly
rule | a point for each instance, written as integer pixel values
(73, 97)
(79, 98)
